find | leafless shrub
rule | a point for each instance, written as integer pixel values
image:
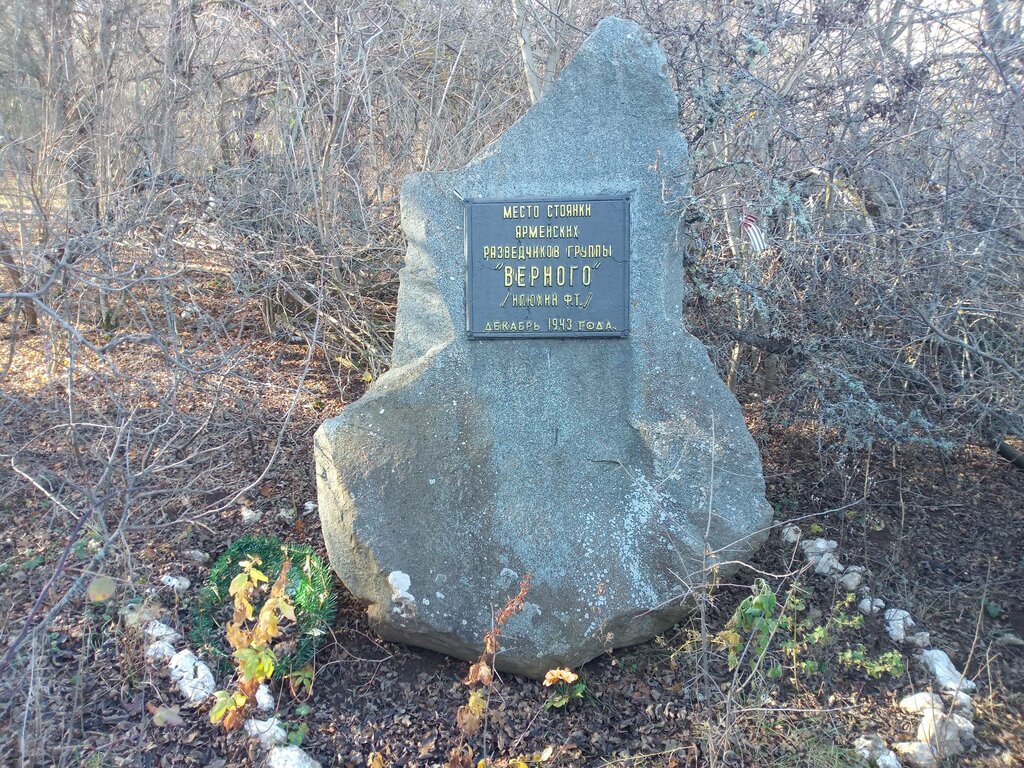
(190, 190)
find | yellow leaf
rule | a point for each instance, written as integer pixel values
(375, 760)
(367, 377)
(257, 576)
(267, 626)
(224, 703)
(165, 716)
(245, 605)
(477, 703)
(238, 584)
(288, 611)
(101, 589)
(237, 637)
(729, 638)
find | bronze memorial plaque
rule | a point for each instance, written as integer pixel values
(547, 268)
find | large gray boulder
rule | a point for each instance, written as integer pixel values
(615, 472)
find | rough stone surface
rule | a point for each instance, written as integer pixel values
(941, 733)
(948, 677)
(919, 702)
(961, 703)
(596, 466)
(897, 622)
(269, 732)
(157, 630)
(193, 677)
(917, 754)
(290, 757)
(791, 534)
(869, 606)
(159, 650)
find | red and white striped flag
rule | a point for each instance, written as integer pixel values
(758, 241)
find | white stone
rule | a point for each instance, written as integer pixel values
(139, 614)
(1009, 640)
(869, 747)
(941, 733)
(159, 650)
(310, 507)
(791, 534)
(852, 579)
(157, 630)
(917, 753)
(818, 546)
(194, 677)
(197, 556)
(400, 585)
(874, 751)
(287, 514)
(290, 757)
(920, 639)
(960, 703)
(825, 564)
(966, 729)
(265, 699)
(946, 675)
(177, 583)
(250, 515)
(269, 732)
(919, 702)
(869, 606)
(897, 622)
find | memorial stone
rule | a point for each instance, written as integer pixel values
(546, 413)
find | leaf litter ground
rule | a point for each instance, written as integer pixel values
(942, 536)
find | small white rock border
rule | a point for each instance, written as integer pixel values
(940, 734)
(196, 683)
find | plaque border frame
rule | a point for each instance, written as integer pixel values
(468, 202)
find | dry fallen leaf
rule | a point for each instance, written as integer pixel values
(101, 589)
(165, 716)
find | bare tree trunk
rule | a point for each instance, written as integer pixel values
(526, 48)
(17, 282)
(175, 77)
(74, 120)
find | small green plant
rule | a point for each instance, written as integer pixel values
(565, 687)
(309, 587)
(992, 609)
(756, 617)
(888, 663)
(297, 734)
(779, 637)
(252, 635)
